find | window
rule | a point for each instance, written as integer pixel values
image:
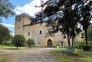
(64, 37)
(18, 20)
(82, 35)
(28, 33)
(40, 31)
(61, 43)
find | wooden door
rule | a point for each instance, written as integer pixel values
(49, 43)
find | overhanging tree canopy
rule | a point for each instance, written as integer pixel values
(67, 13)
(6, 8)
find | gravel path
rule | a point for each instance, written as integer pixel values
(31, 55)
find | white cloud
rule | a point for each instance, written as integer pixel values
(12, 34)
(80, 26)
(29, 8)
(91, 20)
(8, 25)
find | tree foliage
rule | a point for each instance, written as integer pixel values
(4, 33)
(80, 43)
(66, 13)
(85, 17)
(6, 8)
(30, 42)
(19, 40)
(89, 34)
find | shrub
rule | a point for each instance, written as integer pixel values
(77, 44)
(89, 34)
(18, 40)
(30, 42)
(57, 45)
(82, 45)
(86, 47)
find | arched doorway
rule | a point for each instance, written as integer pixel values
(49, 43)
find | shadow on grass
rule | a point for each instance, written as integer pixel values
(15, 48)
(12, 47)
(67, 57)
(73, 55)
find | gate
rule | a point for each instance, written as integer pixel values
(49, 43)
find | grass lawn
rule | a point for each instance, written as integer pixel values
(78, 56)
(12, 47)
(85, 55)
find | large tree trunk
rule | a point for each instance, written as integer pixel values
(72, 41)
(86, 36)
(73, 37)
(17, 47)
(68, 39)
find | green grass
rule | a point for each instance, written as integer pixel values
(78, 56)
(12, 47)
(63, 58)
(85, 55)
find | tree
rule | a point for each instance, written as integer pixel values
(85, 17)
(4, 34)
(11, 35)
(30, 42)
(69, 24)
(89, 31)
(18, 40)
(67, 13)
(6, 8)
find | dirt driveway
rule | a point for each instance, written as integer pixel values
(29, 55)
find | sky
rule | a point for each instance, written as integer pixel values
(21, 6)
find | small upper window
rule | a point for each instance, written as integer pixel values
(28, 33)
(64, 37)
(18, 20)
(40, 31)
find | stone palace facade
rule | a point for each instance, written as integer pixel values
(38, 32)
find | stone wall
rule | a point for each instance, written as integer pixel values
(38, 32)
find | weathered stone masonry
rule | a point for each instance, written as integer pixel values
(38, 32)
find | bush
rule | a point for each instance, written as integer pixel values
(30, 42)
(18, 40)
(89, 34)
(86, 47)
(82, 45)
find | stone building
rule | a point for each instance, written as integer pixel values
(38, 32)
